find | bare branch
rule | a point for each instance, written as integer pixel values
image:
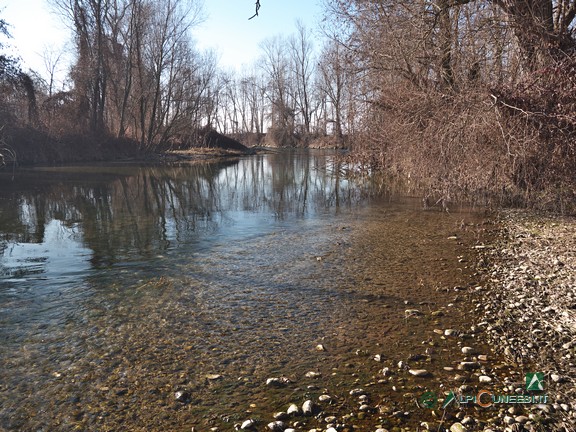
(257, 9)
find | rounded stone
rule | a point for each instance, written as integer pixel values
(422, 373)
(182, 396)
(281, 416)
(293, 410)
(458, 427)
(277, 426)
(248, 424)
(308, 408)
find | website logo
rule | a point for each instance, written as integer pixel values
(486, 398)
(429, 399)
(449, 399)
(535, 381)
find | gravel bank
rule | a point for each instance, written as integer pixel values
(530, 306)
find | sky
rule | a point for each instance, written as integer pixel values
(36, 30)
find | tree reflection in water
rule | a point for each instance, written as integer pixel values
(127, 214)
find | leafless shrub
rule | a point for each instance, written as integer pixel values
(540, 113)
(7, 154)
(448, 146)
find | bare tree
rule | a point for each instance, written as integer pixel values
(332, 83)
(280, 93)
(302, 62)
(134, 64)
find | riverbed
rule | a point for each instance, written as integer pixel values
(166, 298)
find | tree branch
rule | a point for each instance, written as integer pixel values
(257, 9)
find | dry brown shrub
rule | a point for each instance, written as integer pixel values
(280, 137)
(512, 146)
(447, 146)
(539, 114)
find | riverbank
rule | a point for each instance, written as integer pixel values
(26, 146)
(530, 308)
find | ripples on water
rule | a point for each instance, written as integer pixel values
(121, 285)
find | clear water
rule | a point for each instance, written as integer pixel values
(121, 285)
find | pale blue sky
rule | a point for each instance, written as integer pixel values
(226, 29)
(237, 39)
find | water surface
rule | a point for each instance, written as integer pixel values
(121, 285)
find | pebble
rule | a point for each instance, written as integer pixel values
(277, 382)
(458, 427)
(413, 312)
(308, 408)
(419, 373)
(468, 365)
(182, 396)
(509, 420)
(484, 379)
(281, 416)
(213, 377)
(277, 426)
(248, 424)
(468, 350)
(325, 398)
(293, 410)
(357, 392)
(313, 374)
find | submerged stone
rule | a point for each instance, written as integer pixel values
(419, 373)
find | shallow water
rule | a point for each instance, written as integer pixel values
(121, 285)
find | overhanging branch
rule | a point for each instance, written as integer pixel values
(257, 9)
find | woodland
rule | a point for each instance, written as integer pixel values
(460, 99)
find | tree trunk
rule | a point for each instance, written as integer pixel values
(538, 38)
(445, 43)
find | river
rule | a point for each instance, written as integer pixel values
(164, 297)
